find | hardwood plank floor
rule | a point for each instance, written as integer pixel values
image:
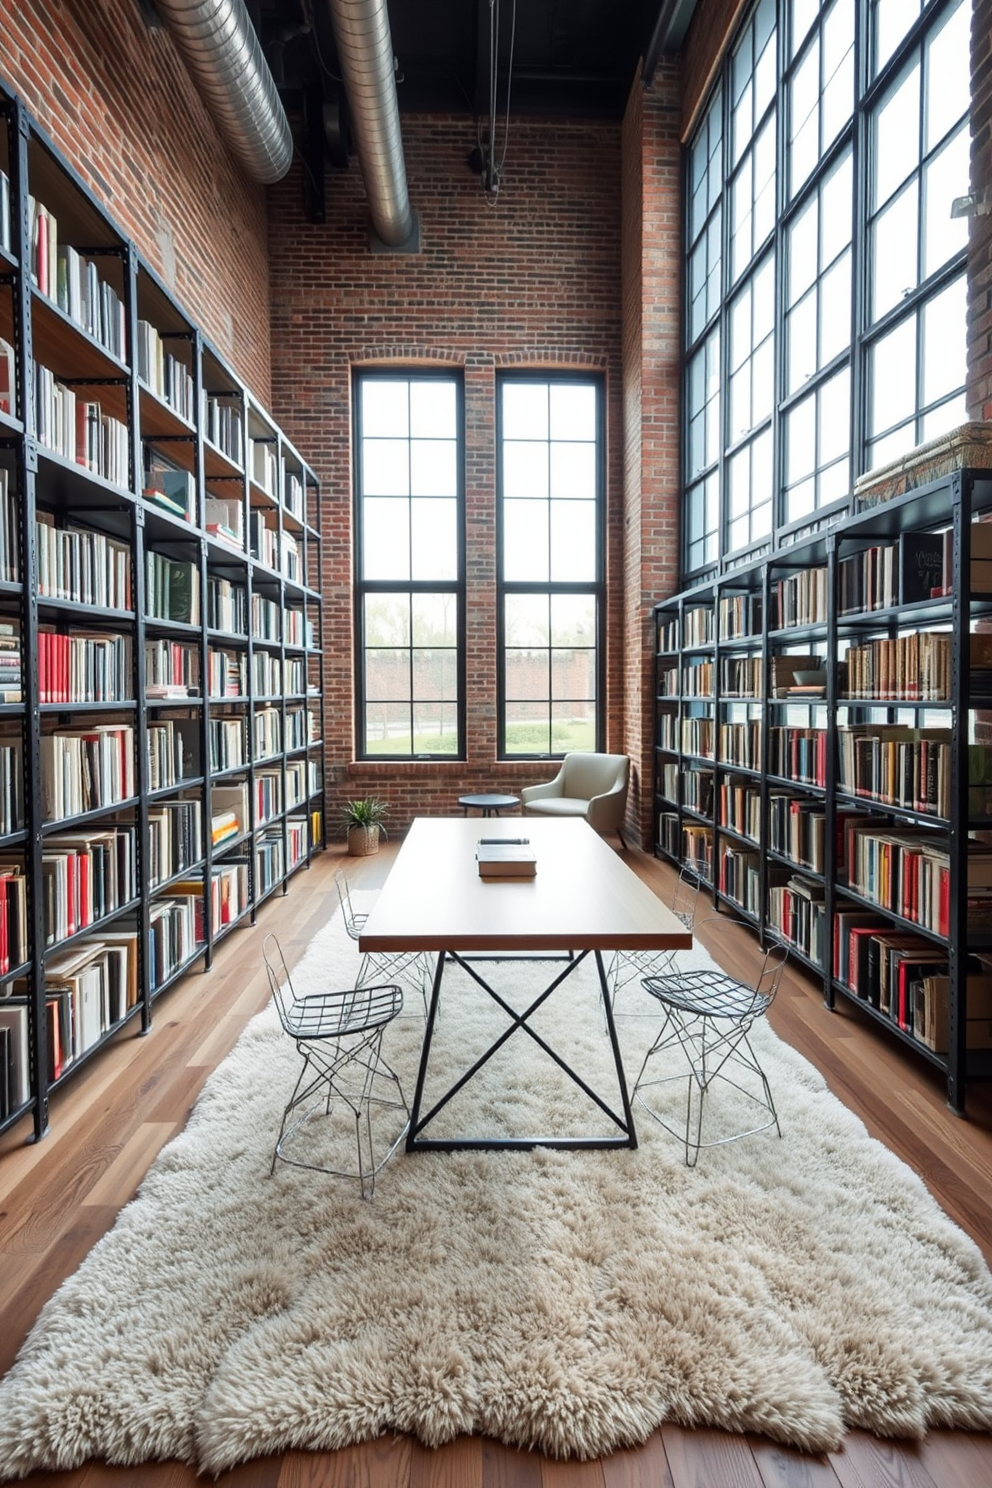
(57, 1197)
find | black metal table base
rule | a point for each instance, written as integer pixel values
(416, 1142)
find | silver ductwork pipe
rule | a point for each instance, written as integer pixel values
(365, 54)
(224, 56)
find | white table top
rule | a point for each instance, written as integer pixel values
(583, 897)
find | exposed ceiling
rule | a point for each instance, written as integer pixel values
(571, 58)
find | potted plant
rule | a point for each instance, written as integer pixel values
(363, 820)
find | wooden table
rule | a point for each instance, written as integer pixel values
(584, 899)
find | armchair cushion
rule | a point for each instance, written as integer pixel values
(589, 785)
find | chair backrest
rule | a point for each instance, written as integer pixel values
(344, 894)
(280, 984)
(686, 897)
(770, 976)
(588, 775)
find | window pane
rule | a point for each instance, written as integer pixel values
(387, 620)
(835, 311)
(525, 410)
(802, 342)
(434, 542)
(527, 620)
(897, 137)
(573, 674)
(385, 467)
(388, 728)
(433, 409)
(385, 407)
(387, 675)
(573, 471)
(433, 467)
(894, 272)
(892, 20)
(837, 198)
(805, 110)
(835, 417)
(948, 416)
(947, 75)
(572, 411)
(525, 541)
(944, 342)
(525, 470)
(435, 728)
(435, 619)
(802, 15)
(573, 542)
(527, 674)
(945, 178)
(893, 376)
(573, 726)
(801, 440)
(573, 620)
(386, 539)
(802, 250)
(528, 728)
(435, 675)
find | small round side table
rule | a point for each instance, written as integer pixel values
(488, 805)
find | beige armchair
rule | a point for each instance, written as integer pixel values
(589, 785)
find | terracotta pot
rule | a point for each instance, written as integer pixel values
(362, 841)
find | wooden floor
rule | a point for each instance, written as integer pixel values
(57, 1197)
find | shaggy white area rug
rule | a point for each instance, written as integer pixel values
(569, 1301)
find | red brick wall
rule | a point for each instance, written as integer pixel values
(652, 370)
(116, 99)
(530, 281)
(980, 236)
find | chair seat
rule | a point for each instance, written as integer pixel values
(558, 806)
(710, 994)
(333, 1014)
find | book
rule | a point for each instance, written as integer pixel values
(505, 859)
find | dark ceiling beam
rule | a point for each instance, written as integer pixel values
(668, 35)
(481, 91)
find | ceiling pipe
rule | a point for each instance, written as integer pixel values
(365, 55)
(224, 56)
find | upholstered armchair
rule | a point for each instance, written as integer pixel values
(589, 785)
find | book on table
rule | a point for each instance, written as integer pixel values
(505, 859)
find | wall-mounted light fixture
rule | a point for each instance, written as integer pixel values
(975, 204)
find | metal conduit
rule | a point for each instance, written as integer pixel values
(224, 57)
(365, 52)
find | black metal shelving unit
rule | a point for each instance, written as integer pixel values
(153, 372)
(956, 723)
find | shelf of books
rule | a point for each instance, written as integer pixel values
(824, 760)
(161, 753)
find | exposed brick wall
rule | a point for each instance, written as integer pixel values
(651, 364)
(117, 100)
(980, 235)
(532, 281)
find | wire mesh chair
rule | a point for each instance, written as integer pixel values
(708, 1016)
(628, 966)
(415, 968)
(339, 1037)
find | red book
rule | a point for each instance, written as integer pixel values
(4, 935)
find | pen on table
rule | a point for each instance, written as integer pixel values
(513, 841)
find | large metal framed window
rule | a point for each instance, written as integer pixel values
(550, 564)
(409, 565)
(819, 182)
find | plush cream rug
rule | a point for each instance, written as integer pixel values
(569, 1301)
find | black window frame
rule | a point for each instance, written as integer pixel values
(595, 587)
(363, 587)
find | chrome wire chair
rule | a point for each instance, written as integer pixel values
(628, 966)
(414, 968)
(339, 1037)
(708, 1017)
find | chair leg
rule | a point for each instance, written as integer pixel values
(622, 843)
